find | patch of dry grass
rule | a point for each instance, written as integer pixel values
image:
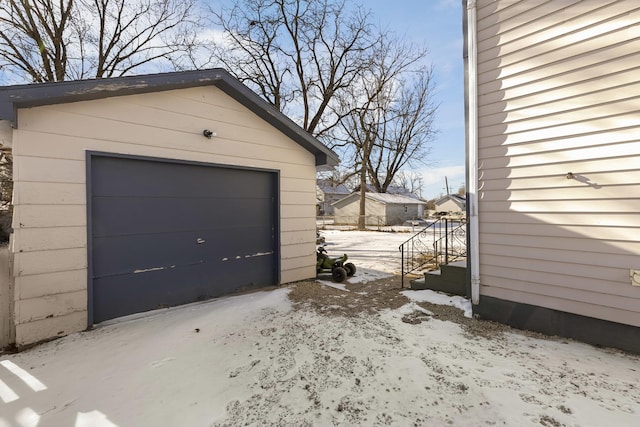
(382, 294)
(361, 298)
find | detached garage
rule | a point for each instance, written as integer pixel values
(138, 193)
(380, 208)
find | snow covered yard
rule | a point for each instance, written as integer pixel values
(375, 254)
(315, 354)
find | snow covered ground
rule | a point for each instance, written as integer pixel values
(258, 360)
(375, 254)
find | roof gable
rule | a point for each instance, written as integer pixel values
(459, 200)
(33, 95)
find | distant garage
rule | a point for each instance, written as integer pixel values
(144, 192)
(166, 233)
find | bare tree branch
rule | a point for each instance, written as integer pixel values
(32, 37)
(298, 54)
(53, 40)
(409, 128)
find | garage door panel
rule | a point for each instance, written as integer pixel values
(134, 293)
(154, 289)
(165, 234)
(161, 179)
(140, 252)
(234, 275)
(162, 215)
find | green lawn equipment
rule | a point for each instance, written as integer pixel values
(338, 267)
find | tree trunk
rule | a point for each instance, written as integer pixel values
(363, 191)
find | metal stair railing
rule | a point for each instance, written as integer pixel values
(452, 246)
(439, 243)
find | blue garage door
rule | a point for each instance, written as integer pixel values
(164, 233)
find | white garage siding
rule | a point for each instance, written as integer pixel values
(559, 93)
(50, 219)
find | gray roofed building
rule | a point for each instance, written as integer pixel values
(380, 208)
(327, 193)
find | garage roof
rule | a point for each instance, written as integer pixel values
(384, 198)
(34, 95)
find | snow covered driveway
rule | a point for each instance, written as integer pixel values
(260, 360)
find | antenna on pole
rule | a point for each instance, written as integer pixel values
(446, 183)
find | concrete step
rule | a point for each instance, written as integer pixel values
(455, 271)
(441, 284)
(435, 283)
(458, 263)
(450, 279)
(418, 285)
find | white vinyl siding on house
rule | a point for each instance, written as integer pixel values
(559, 93)
(50, 216)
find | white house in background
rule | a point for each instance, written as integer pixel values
(451, 203)
(380, 208)
(554, 166)
(392, 189)
(328, 192)
(135, 193)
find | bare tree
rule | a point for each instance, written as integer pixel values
(359, 131)
(411, 181)
(34, 35)
(297, 54)
(54, 40)
(407, 129)
(134, 33)
(390, 117)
